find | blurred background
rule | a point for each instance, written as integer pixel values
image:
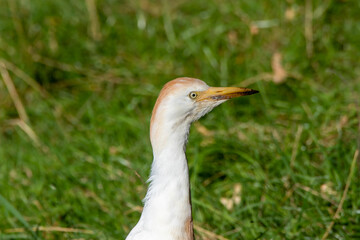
(78, 80)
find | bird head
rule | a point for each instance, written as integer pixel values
(184, 100)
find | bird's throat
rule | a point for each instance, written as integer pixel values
(167, 206)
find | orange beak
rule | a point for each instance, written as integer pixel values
(223, 93)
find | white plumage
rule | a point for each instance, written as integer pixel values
(167, 205)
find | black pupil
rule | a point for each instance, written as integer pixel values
(193, 95)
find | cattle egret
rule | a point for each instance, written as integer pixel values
(167, 204)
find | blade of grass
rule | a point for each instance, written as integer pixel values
(9, 207)
(348, 182)
(217, 212)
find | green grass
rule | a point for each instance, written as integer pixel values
(290, 147)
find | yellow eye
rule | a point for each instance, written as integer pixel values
(193, 95)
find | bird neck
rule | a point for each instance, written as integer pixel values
(167, 208)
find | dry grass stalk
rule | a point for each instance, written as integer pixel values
(100, 77)
(97, 199)
(138, 209)
(259, 77)
(74, 69)
(296, 186)
(296, 145)
(50, 229)
(313, 192)
(55, 64)
(208, 233)
(279, 73)
(13, 93)
(339, 208)
(27, 129)
(16, 21)
(309, 28)
(94, 20)
(23, 120)
(26, 78)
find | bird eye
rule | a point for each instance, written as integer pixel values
(193, 95)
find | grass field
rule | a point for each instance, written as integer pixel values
(78, 83)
